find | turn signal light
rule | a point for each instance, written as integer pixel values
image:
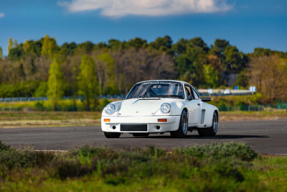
(107, 120)
(162, 120)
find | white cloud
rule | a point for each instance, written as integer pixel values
(2, 15)
(119, 8)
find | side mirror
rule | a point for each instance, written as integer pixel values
(189, 97)
(205, 99)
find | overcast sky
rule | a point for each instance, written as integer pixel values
(244, 23)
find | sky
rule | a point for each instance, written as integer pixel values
(245, 23)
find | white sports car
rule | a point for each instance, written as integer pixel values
(160, 106)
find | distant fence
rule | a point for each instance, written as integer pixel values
(278, 107)
(23, 99)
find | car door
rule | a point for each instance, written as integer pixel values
(193, 105)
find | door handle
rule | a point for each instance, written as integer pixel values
(198, 104)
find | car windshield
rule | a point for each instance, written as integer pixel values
(157, 89)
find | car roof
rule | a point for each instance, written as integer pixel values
(162, 80)
(183, 82)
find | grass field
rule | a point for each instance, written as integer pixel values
(216, 167)
(46, 119)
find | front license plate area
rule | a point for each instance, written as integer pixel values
(133, 127)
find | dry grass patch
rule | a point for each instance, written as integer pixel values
(243, 116)
(44, 119)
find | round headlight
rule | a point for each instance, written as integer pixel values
(165, 108)
(110, 109)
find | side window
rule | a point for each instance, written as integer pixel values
(189, 91)
(195, 94)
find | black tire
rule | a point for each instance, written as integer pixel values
(210, 131)
(112, 135)
(140, 134)
(183, 126)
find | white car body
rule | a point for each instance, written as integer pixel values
(138, 111)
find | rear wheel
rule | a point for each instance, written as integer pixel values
(112, 135)
(211, 131)
(140, 134)
(183, 126)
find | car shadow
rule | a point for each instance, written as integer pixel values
(206, 137)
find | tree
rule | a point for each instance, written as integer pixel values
(1, 56)
(269, 75)
(55, 83)
(235, 61)
(137, 43)
(210, 76)
(162, 44)
(15, 44)
(45, 47)
(21, 72)
(198, 42)
(10, 45)
(87, 81)
(26, 46)
(49, 46)
(243, 78)
(52, 46)
(115, 44)
(180, 47)
(105, 66)
(219, 47)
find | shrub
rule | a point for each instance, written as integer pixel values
(104, 103)
(4, 147)
(221, 150)
(68, 168)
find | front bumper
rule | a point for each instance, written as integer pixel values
(153, 126)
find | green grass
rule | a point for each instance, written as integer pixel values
(63, 105)
(216, 167)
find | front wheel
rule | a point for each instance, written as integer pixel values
(210, 131)
(183, 126)
(112, 135)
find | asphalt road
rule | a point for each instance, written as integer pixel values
(263, 136)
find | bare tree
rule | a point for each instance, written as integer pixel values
(269, 75)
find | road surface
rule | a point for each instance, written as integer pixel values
(266, 136)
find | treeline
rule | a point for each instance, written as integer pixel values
(115, 66)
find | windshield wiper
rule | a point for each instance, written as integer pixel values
(166, 96)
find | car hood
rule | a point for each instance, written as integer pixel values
(140, 107)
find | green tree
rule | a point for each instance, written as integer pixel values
(106, 73)
(199, 43)
(243, 78)
(26, 46)
(219, 47)
(115, 44)
(52, 45)
(42, 90)
(162, 44)
(137, 43)
(10, 45)
(15, 44)
(235, 61)
(45, 47)
(210, 76)
(55, 83)
(1, 56)
(180, 47)
(87, 81)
